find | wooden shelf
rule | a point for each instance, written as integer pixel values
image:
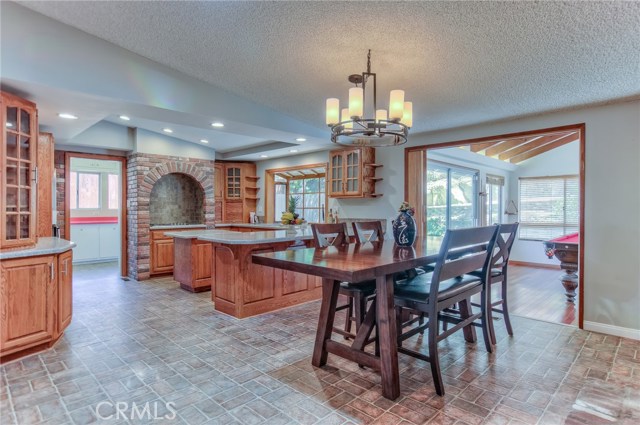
(373, 179)
(253, 198)
(252, 187)
(252, 177)
(373, 165)
(375, 195)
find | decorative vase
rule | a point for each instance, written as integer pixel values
(404, 229)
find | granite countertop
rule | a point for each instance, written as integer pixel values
(177, 226)
(245, 238)
(44, 246)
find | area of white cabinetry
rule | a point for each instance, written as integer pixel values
(95, 242)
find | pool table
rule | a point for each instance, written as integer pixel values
(566, 249)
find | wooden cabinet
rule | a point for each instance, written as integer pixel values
(19, 176)
(27, 295)
(193, 264)
(218, 193)
(352, 173)
(161, 253)
(65, 291)
(45, 189)
(240, 191)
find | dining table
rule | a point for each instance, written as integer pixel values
(358, 263)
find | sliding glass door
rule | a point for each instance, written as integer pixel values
(452, 201)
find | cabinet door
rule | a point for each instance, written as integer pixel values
(218, 182)
(65, 290)
(86, 237)
(161, 256)
(45, 184)
(352, 173)
(109, 240)
(233, 212)
(27, 287)
(233, 186)
(336, 171)
(18, 162)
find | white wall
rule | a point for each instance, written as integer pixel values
(557, 162)
(612, 202)
(103, 135)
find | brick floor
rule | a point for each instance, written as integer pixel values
(152, 343)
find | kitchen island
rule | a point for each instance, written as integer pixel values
(239, 287)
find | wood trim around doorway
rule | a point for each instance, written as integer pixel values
(581, 139)
(123, 200)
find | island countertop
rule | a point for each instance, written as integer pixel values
(245, 238)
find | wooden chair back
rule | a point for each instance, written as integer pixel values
(330, 234)
(504, 243)
(477, 244)
(368, 231)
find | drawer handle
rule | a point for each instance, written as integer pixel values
(51, 269)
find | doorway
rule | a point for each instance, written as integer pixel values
(535, 178)
(95, 208)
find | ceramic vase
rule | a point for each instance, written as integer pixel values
(404, 229)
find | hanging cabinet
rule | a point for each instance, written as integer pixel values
(352, 173)
(18, 161)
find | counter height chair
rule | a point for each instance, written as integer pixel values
(449, 283)
(357, 295)
(499, 262)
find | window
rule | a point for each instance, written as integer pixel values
(311, 195)
(549, 207)
(85, 190)
(113, 186)
(493, 206)
(451, 198)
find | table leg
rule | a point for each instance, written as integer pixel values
(570, 281)
(330, 290)
(388, 336)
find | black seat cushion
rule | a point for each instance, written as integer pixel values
(494, 272)
(417, 289)
(368, 287)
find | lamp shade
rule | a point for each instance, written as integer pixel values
(356, 102)
(333, 111)
(381, 114)
(346, 117)
(407, 114)
(396, 104)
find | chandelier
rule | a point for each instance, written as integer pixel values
(350, 127)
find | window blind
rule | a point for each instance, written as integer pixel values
(495, 180)
(549, 207)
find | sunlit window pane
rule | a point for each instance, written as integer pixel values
(112, 191)
(88, 190)
(73, 190)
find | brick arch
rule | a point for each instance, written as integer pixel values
(146, 173)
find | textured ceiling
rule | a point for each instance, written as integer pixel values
(459, 62)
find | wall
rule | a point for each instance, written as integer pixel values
(612, 202)
(560, 161)
(159, 144)
(104, 135)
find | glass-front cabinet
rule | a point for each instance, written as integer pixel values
(352, 173)
(233, 182)
(18, 160)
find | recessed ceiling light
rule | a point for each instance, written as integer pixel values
(124, 118)
(264, 156)
(301, 139)
(204, 140)
(68, 116)
(217, 124)
(167, 130)
(293, 150)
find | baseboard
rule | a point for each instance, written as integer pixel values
(612, 330)
(536, 265)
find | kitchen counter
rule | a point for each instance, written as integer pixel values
(44, 246)
(245, 238)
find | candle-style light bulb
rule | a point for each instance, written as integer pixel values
(333, 111)
(396, 104)
(407, 115)
(356, 102)
(346, 117)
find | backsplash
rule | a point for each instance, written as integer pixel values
(176, 198)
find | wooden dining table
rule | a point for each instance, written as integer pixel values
(355, 263)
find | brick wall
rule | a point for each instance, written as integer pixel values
(143, 171)
(176, 198)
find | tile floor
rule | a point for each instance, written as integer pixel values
(133, 342)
